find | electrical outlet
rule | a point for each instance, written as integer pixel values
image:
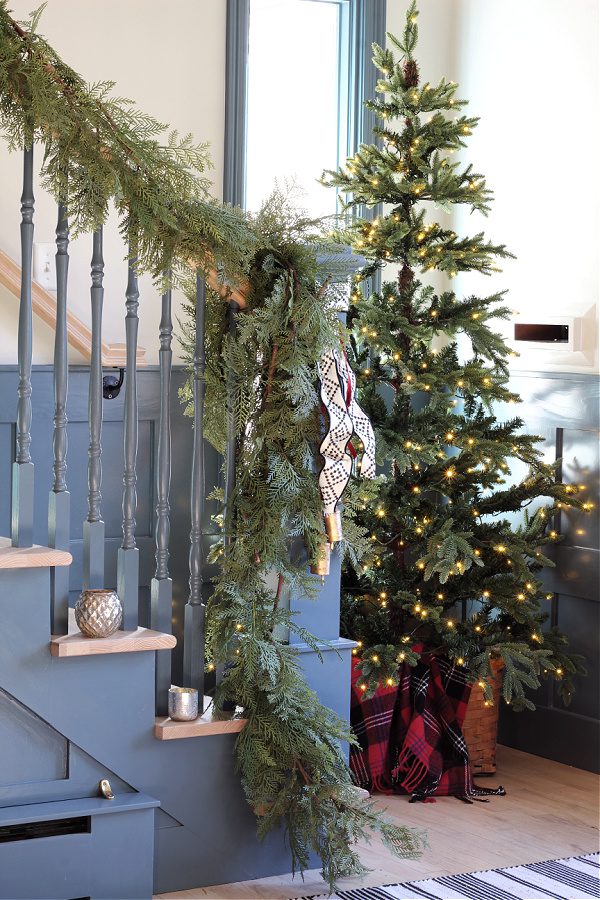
(44, 270)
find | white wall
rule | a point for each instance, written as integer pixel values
(435, 56)
(530, 69)
(170, 59)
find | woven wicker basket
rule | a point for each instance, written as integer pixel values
(480, 728)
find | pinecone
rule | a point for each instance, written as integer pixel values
(411, 73)
(405, 277)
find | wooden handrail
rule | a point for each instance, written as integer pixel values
(227, 291)
(79, 336)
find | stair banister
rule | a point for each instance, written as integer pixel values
(128, 563)
(193, 647)
(161, 589)
(23, 471)
(93, 527)
(59, 500)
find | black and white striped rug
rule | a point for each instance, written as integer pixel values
(575, 878)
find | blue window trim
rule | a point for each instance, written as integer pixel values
(367, 27)
(362, 23)
(236, 87)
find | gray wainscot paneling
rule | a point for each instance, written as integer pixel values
(112, 476)
(564, 410)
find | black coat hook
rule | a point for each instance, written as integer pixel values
(111, 385)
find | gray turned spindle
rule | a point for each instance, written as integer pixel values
(230, 448)
(230, 458)
(23, 470)
(59, 500)
(128, 563)
(193, 647)
(161, 588)
(93, 526)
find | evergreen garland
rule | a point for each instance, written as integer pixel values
(99, 149)
(288, 755)
(445, 560)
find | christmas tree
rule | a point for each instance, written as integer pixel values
(448, 544)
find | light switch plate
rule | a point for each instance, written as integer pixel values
(44, 270)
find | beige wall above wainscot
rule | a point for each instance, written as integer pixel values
(170, 59)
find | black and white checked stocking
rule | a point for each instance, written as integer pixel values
(338, 394)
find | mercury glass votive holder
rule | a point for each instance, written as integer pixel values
(183, 704)
(98, 612)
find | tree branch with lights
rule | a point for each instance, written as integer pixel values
(453, 543)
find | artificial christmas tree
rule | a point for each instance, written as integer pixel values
(440, 561)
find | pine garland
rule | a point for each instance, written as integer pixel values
(288, 755)
(100, 149)
(441, 557)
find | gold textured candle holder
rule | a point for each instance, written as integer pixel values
(333, 526)
(321, 566)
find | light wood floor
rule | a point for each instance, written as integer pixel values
(550, 811)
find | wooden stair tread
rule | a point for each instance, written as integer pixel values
(166, 729)
(77, 644)
(34, 557)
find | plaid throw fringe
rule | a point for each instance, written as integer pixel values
(371, 720)
(410, 738)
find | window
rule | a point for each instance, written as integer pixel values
(297, 98)
(297, 74)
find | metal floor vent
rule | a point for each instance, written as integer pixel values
(28, 831)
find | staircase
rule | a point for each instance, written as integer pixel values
(75, 711)
(79, 336)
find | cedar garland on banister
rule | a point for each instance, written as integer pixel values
(112, 152)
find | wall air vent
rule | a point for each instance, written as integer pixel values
(542, 333)
(27, 831)
(550, 334)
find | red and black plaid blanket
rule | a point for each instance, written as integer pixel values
(410, 738)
